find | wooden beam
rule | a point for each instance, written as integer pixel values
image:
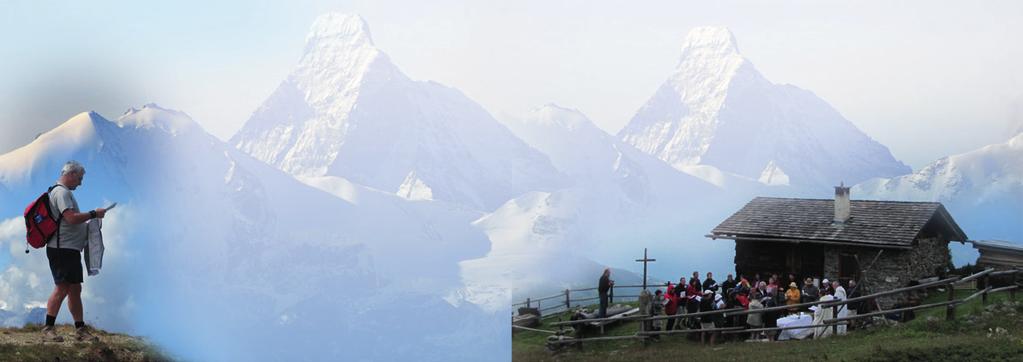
(692, 315)
(533, 329)
(769, 329)
(597, 320)
(974, 295)
(974, 276)
(889, 292)
(1002, 289)
(1005, 272)
(580, 340)
(684, 331)
(897, 310)
(809, 241)
(772, 309)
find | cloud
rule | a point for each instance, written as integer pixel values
(21, 280)
(1016, 117)
(26, 281)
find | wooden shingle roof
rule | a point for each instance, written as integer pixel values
(871, 223)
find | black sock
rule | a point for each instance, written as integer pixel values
(79, 324)
(50, 320)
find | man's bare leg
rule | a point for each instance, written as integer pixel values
(52, 308)
(57, 298)
(74, 301)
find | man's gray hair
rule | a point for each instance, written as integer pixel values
(72, 167)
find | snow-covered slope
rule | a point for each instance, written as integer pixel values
(210, 246)
(716, 109)
(982, 189)
(621, 201)
(571, 141)
(347, 111)
(982, 175)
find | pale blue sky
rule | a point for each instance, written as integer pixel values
(926, 79)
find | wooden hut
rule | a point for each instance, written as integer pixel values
(998, 254)
(882, 244)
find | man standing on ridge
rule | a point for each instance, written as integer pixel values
(64, 253)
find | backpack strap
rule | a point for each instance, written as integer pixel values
(60, 216)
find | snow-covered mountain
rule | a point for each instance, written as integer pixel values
(209, 246)
(716, 109)
(346, 110)
(982, 189)
(36, 315)
(621, 200)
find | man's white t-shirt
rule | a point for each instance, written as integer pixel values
(71, 236)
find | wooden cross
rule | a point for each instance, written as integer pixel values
(645, 260)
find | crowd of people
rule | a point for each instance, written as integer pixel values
(751, 293)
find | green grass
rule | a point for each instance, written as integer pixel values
(928, 337)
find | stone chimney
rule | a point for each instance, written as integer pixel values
(841, 204)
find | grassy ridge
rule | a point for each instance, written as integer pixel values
(979, 333)
(25, 344)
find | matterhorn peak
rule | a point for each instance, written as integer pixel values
(338, 61)
(710, 40)
(348, 111)
(710, 56)
(715, 105)
(340, 26)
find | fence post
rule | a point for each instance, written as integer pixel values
(950, 312)
(1015, 281)
(568, 302)
(987, 283)
(527, 302)
(834, 313)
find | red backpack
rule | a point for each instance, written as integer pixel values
(40, 222)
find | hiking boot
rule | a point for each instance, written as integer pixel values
(82, 335)
(50, 335)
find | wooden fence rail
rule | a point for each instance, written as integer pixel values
(685, 331)
(692, 315)
(566, 300)
(896, 310)
(975, 276)
(597, 320)
(772, 329)
(832, 323)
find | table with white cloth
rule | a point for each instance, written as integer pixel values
(795, 320)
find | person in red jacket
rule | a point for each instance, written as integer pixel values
(670, 306)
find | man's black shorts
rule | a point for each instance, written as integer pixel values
(65, 265)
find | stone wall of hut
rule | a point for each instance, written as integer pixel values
(894, 268)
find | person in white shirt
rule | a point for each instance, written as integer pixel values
(64, 253)
(843, 310)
